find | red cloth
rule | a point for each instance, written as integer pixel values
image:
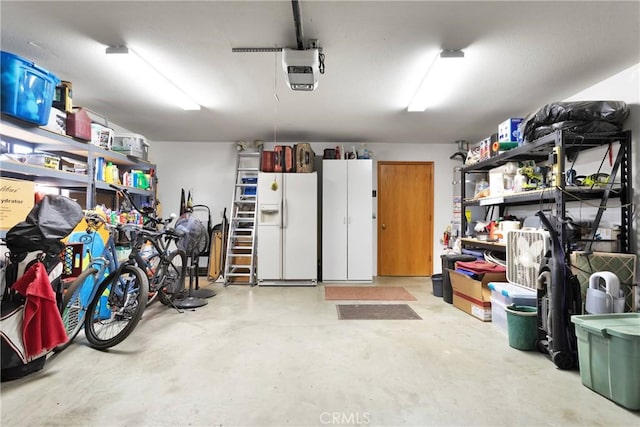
(42, 327)
(480, 267)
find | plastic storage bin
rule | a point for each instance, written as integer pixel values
(609, 355)
(131, 144)
(27, 90)
(504, 294)
(250, 190)
(45, 160)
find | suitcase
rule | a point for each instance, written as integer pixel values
(284, 161)
(304, 157)
(277, 158)
(79, 124)
(267, 163)
(329, 154)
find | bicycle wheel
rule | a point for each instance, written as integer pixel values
(73, 306)
(170, 277)
(116, 308)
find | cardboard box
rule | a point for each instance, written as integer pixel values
(496, 182)
(57, 121)
(508, 130)
(474, 296)
(17, 199)
(485, 146)
(241, 261)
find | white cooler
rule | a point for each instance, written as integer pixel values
(504, 294)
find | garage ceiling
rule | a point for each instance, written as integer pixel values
(520, 55)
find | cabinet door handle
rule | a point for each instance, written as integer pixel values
(384, 226)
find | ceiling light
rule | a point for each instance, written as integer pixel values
(440, 79)
(145, 75)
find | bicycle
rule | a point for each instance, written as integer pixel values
(165, 268)
(113, 305)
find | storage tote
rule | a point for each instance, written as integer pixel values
(504, 294)
(27, 89)
(131, 144)
(609, 355)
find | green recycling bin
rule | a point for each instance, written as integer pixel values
(522, 326)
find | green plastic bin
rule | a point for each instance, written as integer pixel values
(522, 326)
(609, 355)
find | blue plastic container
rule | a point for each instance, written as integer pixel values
(251, 189)
(27, 90)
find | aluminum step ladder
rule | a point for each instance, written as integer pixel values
(240, 262)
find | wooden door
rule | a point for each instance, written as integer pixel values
(405, 218)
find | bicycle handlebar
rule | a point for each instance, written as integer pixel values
(146, 213)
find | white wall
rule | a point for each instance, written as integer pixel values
(208, 170)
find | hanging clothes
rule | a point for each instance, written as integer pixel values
(42, 327)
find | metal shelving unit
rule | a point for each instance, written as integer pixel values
(567, 145)
(39, 139)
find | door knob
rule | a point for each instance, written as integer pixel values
(384, 226)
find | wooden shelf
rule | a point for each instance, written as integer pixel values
(483, 244)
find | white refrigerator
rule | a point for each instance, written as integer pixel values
(287, 228)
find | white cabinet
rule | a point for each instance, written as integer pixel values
(287, 228)
(347, 253)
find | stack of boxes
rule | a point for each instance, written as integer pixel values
(508, 131)
(507, 138)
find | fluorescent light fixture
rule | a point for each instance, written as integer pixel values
(440, 79)
(146, 75)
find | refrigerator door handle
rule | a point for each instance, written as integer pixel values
(284, 213)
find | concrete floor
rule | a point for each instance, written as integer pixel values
(276, 356)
